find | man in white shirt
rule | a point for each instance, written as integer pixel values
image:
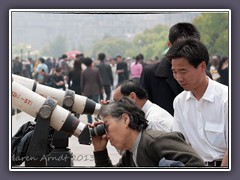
(158, 118)
(201, 110)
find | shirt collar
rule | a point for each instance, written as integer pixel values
(208, 94)
(146, 106)
(136, 143)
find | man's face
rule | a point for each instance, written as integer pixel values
(59, 73)
(117, 94)
(119, 59)
(186, 74)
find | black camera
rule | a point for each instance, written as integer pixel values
(87, 133)
(98, 130)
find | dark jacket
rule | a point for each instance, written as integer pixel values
(160, 84)
(75, 77)
(123, 75)
(106, 73)
(91, 82)
(54, 79)
(154, 146)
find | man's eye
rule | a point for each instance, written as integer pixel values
(183, 72)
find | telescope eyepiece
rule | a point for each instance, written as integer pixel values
(98, 130)
(87, 133)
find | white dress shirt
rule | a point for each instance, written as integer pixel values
(158, 118)
(204, 123)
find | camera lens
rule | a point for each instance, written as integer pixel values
(98, 130)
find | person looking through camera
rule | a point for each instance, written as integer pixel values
(126, 130)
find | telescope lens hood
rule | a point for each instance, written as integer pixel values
(85, 137)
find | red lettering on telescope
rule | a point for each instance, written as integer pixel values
(25, 100)
(28, 102)
(15, 95)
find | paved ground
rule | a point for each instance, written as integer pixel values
(82, 154)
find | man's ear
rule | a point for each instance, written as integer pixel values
(125, 118)
(203, 66)
(133, 96)
(169, 44)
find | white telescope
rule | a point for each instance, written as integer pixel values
(81, 104)
(31, 103)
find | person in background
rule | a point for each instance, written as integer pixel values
(214, 68)
(45, 79)
(91, 83)
(41, 66)
(136, 69)
(17, 66)
(122, 69)
(113, 65)
(63, 64)
(201, 110)
(223, 70)
(49, 64)
(56, 80)
(74, 77)
(126, 130)
(106, 75)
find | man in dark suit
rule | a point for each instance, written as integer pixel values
(158, 79)
(106, 74)
(122, 69)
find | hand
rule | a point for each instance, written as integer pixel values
(99, 142)
(104, 102)
(60, 83)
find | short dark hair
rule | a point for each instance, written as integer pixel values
(125, 105)
(182, 30)
(42, 60)
(139, 57)
(101, 56)
(87, 61)
(118, 56)
(81, 55)
(58, 69)
(64, 56)
(132, 85)
(192, 49)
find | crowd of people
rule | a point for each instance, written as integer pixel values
(170, 113)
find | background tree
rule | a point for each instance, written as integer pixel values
(214, 32)
(111, 47)
(152, 42)
(55, 48)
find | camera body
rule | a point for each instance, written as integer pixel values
(98, 130)
(88, 133)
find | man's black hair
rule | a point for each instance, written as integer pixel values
(182, 30)
(42, 60)
(132, 85)
(192, 49)
(101, 56)
(87, 61)
(64, 56)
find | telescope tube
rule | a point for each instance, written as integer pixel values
(30, 102)
(81, 105)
